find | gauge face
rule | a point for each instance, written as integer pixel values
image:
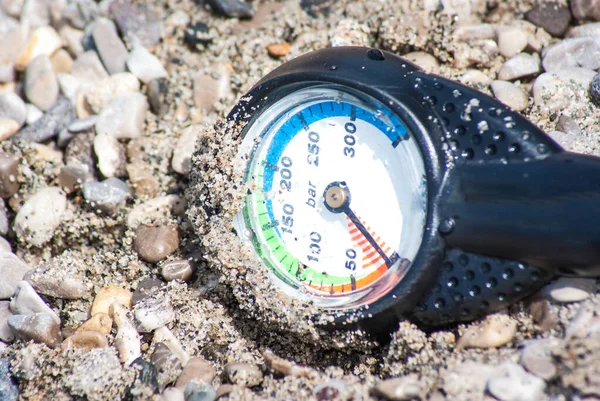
(337, 199)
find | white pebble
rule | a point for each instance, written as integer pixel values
(37, 220)
(519, 66)
(145, 65)
(510, 382)
(186, 145)
(495, 331)
(127, 340)
(124, 117)
(27, 302)
(100, 94)
(570, 289)
(151, 313)
(511, 95)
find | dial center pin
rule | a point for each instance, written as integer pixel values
(336, 197)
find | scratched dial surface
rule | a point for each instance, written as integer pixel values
(330, 138)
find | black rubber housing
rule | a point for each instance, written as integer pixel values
(508, 209)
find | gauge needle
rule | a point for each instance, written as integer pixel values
(337, 200)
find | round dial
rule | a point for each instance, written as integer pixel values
(337, 198)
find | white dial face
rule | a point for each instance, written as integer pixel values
(338, 203)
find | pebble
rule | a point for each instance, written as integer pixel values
(224, 389)
(349, 32)
(330, 390)
(595, 89)
(100, 322)
(232, 8)
(145, 65)
(7, 73)
(86, 340)
(80, 151)
(199, 392)
(278, 50)
(8, 175)
(576, 75)
(589, 29)
(475, 78)
(585, 9)
(466, 380)
(244, 374)
(62, 63)
(154, 243)
(155, 210)
(3, 218)
(186, 145)
(167, 364)
(109, 295)
(567, 125)
(536, 358)
(111, 155)
(27, 302)
(41, 86)
(158, 90)
(43, 41)
(284, 366)
(69, 86)
(146, 376)
(8, 127)
(181, 269)
(72, 176)
(549, 93)
(173, 394)
(37, 220)
(9, 390)
(510, 382)
(153, 312)
(495, 330)
(111, 49)
(5, 245)
(12, 270)
(6, 333)
(72, 38)
(542, 313)
(40, 327)
(519, 66)
(88, 68)
(103, 92)
(57, 278)
(144, 288)
(197, 35)
(13, 107)
(424, 60)
(142, 179)
(138, 24)
(127, 340)
(197, 370)
(164, 335)
(573, 52)
(399, 388)
(12, 7)
(124, 117)
(33, 114)
(511, 41)
(210, 88)
(570, 289)
(51, 123)
(510, 94)
(87, 124)
(551, 16)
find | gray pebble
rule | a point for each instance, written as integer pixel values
(13, 107)
(181, 269)
(72, 176)
(570, 289)
(84, 125)
(154, 243)
(144, 288)
(111, 49)
(6, 333)
(138, 24)
(12, 270)
(3, 218)
(145, 65)
(80, 151)
(8, 175)
(167, 364)
(146, 376)
(80, 12)
(595, 90)
(72, 38)
(199, 392)
(568, 125)
(244, 374)
(106, 196)
(27, 302)
(399, 388)
(232, 8)
(124, 117)
(519, 66)
(158, 90)
(40, 327)
(586, 9)
(551, 16)
(111, 156)
(51, 123)
(153, 312)
(88, 68)
(41, 86)
(33, 114)
(510, 382)
(37, 220)
(536, 358)
(196, 370)
(573, 52)
(9, 390)
(57, 279)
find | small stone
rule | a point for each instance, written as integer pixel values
(71, 177)
(138, 24)
(186, 145)
(541, 312)
(475, 78)
(595, 90)
(124, 117)
(40, 327)
(573, 52)
(158, 90)
(111, 156)
(536, 358)
(41, 86)
(12, 41)
(110, 48)
(145, 65)
(57, 278)
(43, 41)
(155, 210)
(510, 382)
(551, 16)
(511, 41)
(164, 335)
(6, 333)
(154, 243)
(244, 374)
(12, 270)
(549, 93)
(33, 114)
(210, 88)
(399, 388)
(107, 196)
(181, 269)
(109, 295)
(151, 313)
(9, 390)
(589, 29)
(88, 68)
(519, 66)
(93, 375)
(585, 9)
(466, 380)
(568, 125)
(27, 302)
(232, 8)
(576, 75)
(278, 49)
(144, 288)
(8, 175)
(424, 60)
(80, 13)
(511, 95)
(86, 340)
(167, 364)
(143, 182)
(579, 326)
(72, 38)
(62, 63)
(496, 330)
(51, 123)
(8, 128)
(100, 322)
(13, 107)
(197, 35)
(197, 370)
(103, 92)
(173, 394)
(570, 289)
(85, 125)
(5, 246)
(35, 13)
(330, 390)
(349, 32)
(146, 376)
(37, 220)
(199, 392)
(3, 218)
(284, 366)
(69, 86)
(127, 340)
(7, 73)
